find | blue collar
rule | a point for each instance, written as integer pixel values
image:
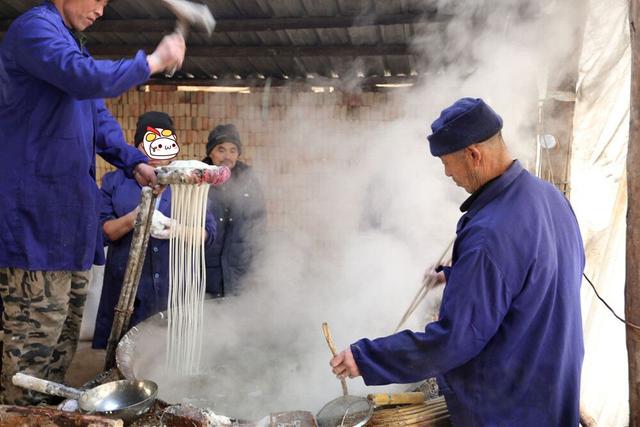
(52, 7)
(491, 190)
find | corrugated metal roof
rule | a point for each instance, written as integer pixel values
(285, 40)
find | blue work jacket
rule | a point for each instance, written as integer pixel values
(119, 196)
(507, 348)
(53, 122)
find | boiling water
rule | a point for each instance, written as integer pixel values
(249, 368)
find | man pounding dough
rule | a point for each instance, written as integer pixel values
(54, 121)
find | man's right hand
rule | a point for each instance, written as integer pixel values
(168, 55)
(344, 365)
(146, 175)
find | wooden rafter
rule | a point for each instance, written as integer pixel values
(278, 82)
(120, 51)
(263, 24)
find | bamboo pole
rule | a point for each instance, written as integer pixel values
(137, 253)
(386, 399)
(424, 290)
(332, 347)
(632, 285)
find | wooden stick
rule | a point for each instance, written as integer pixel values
(412, 409)
(214, 175)
(327, 335)
(423, 291)
(137, 253)
(417, 418)
(632, 285)
(401, 416)
(409, 398)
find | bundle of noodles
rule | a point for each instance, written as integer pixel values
(187, 282)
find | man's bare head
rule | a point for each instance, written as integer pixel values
(477, 164)
(80, 14)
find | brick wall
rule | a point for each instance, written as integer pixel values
(270, 124)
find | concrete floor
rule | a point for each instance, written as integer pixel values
(86, 364)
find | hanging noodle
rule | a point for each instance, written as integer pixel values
(186, 278)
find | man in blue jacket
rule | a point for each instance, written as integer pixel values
(507, 349)
(53, 122)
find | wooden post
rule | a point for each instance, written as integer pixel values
(139, 242)
(632, 285)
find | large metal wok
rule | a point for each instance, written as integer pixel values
(254, 362)
(124, 399)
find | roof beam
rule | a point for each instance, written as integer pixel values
(119, 51)
(266, 24)
(278, 81)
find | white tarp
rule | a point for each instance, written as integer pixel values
(91, 306)
(598, 195)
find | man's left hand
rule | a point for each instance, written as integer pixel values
(431, 278)
(344, 365)
(146, 175)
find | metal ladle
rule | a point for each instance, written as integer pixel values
(125, 399)
(344, 411)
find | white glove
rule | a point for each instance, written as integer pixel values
(161, 225)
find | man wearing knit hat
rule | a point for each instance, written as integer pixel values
(507, 348)
(239, 210)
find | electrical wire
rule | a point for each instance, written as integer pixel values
(634, 326)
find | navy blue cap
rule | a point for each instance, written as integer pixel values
(468, 121)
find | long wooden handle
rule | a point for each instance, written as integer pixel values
(423, 291)
(327, 335)
(132, 273)
(408, 398)
(44, 386)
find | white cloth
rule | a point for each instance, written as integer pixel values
(92, 303)
(599, 197)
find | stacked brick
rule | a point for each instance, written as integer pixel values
(271, 125)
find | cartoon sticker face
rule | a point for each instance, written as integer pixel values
(160, 144)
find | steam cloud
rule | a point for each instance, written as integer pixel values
(370, 211)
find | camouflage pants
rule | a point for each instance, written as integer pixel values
(41, 320)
